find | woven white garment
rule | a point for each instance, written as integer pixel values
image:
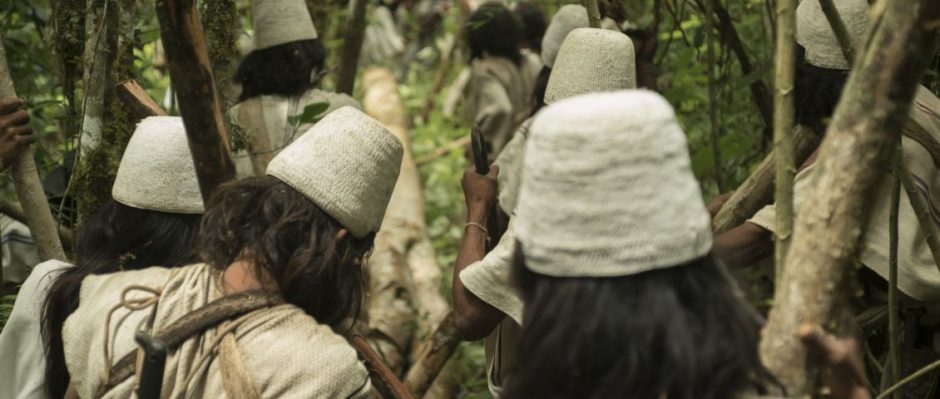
(347, 164)
(592, 60)
(157, 171)
(608, 189)
(510, 168)
(568, 18)
(815, 34)
(278, 22)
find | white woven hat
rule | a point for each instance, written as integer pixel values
(157, 171)
(815, 34)
(568, 18)
(590, 61)
(608, 189)
(278, 22)
(347, 164)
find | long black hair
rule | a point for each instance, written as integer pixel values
(678, 332)
(494, 31)
(534, 24)
(290, 241)
(817, 92)
(285, 70)
(118, 237)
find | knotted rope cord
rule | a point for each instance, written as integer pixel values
(202, 360)
(133, 305)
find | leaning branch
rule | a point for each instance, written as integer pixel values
(433, 357)
(784, 76)
(594, 13)
(838, 27)
(828, 228)
(191, 74)
(28, 187)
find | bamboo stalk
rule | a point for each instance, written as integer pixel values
(28, 186)
(894, 350)
(785, 167)
(594, 13)
(838, 27)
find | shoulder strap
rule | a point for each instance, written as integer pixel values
(192, 324)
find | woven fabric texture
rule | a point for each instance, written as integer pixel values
(568, 18)
(590, 61)
(815, 34)
(347, 164)
(278, 22)
(608, 189)
(157, 171)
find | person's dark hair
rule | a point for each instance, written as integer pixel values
(679, 332)
(538, 92)
(534, 24)
(817, 92)
(494, 31)
(284, 70)
(291, 242)
(116, 238)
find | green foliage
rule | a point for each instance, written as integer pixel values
(6, 306)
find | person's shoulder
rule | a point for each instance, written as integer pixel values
(292, 355)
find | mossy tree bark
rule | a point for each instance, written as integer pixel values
(222, 27)
(68, 32)
(29, 188)
(828, 228)
(106, 128)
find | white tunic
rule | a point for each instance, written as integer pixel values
(22, 356)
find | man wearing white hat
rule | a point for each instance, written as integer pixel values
(153, 218)
(820, 77)
(622, 296)
(293, 241)
(279, 79)
(485, 302)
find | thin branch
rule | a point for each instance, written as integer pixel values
(894, 351)
(784, 78)
(838, 27)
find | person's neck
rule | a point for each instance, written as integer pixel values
(241, 276)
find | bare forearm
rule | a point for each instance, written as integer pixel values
(474, 318)
(744, 245)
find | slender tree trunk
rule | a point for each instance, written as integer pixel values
(29, 188)
(96, 166)
(191, 74)
(594, 13)
(894, 310)
(352, 46)
(828, 228)
(713, 95)
(784, 77)
(757, 190)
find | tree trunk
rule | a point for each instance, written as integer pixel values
(68, 21)
(757, 190)
(403, 232)
(352, 46)
(594, 13)
(828, 228)
(784, 76)
(191, 74)
(28, 187)
(222, 27)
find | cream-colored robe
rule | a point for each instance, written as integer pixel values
(917, 274)
(286, 353)
(269, 118)
(498, 98)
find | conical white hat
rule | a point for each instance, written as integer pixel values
(608, 189)
(591, 61)
(815, 34)
(568, 18)
(157, 171)
(347, 164)
(278, 22)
